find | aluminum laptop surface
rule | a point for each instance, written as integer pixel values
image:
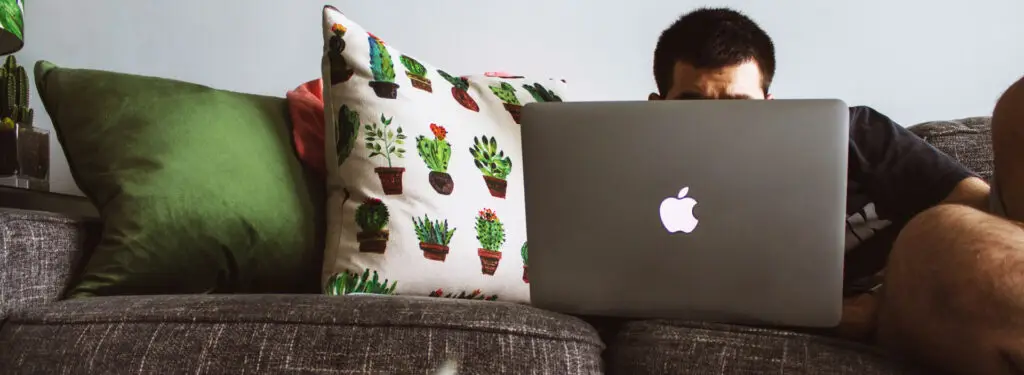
(609, 187)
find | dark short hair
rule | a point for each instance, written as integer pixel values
(711, 38)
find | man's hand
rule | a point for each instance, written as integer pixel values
(859, 317)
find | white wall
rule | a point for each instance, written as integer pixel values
(914, 60)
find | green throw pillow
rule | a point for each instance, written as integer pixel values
(199, 190)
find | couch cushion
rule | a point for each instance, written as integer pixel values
(967, 140)
(276, 334)
(664, 347)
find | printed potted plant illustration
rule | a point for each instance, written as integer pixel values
(459, 91)
(339, 69)
(541, 94)
(491, 234)
(507, 93)
(434, 237)
(475, 295)
(494, 164)
(386, 143)
(383, 69)
(372, 218)
(526, 264)
(343, 283)
(416, 73)
(346, 131)
(436, 153)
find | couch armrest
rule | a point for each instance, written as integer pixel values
(39, 254)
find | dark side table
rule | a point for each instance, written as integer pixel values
(33, 200)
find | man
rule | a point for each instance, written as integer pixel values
(952, 291)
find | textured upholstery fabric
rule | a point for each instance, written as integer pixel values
(290, 334)
(38, 254)
(663, 347)
(967, 140)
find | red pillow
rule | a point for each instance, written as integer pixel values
(306, 106)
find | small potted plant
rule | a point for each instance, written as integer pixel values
(475, 295)
(343, 283)
(460, 87)
(434, 237)
(386, 143)
(372, 218)
(494, 164)
(437, 153)
(24, 149)
(541, 94)
(526, 264)
(417, 74)
(339, 69)
(383, 69)
(507, 93)
(491, 234)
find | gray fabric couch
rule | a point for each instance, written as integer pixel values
(313, 334)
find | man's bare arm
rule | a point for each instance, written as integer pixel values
(972, 192)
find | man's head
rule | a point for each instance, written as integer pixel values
(713, 54)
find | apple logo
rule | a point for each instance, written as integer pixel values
(677, 213)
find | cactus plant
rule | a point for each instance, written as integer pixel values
(386, 143)
(346, 132)
(507, 93)
(459, 91)
(383, 70)
(437, 153)
(339, 70)
(475, 295)
(372, 217)
(526, 264)
(343, 283)
(541, 93)
(14, 103)
(417, 73)
(491, 234)
(434, 237)
(495, 165)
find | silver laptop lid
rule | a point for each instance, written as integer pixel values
(709, 210)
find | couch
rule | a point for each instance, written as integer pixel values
(309, 333)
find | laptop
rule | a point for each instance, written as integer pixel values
(709, 210)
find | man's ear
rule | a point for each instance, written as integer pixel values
(769, 97)
(653, 96)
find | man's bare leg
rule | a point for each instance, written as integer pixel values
(954, 287)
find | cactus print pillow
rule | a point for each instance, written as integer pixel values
(423, 173)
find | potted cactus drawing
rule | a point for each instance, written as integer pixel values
(386, 143)
(339, 69)
(526, 264)
(475, 295)
(541, 94)
(434, 237)
(372, 217)
(494, 164)
(417, 73)
(436, 153)
(346, 132)
(491, 234)
(383, 69)
(507, 93)
(343, 283)
(459, 91)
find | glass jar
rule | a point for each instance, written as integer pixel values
(24, 157)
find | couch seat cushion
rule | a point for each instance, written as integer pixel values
(278, 334)
(968, 140)
(664, 347)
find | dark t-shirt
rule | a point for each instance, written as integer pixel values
(893, 175)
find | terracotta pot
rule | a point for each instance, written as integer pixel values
(496, 186)
(434, 251)
(390, 179)
(384, 89)
(463, 98)
(515, 110)
(373, 242)
(526, 274)
(420, 82)
(488, 260)
(441, 182)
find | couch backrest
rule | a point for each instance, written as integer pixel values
(967, 140)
